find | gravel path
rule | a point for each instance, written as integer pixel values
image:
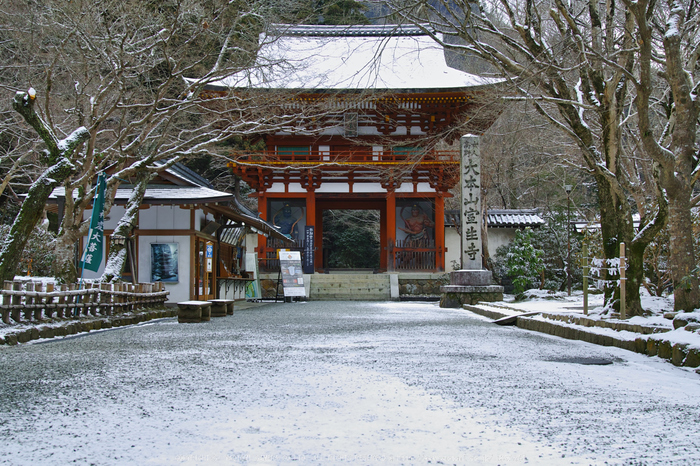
(340, 383)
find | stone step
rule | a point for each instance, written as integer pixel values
(350, 287)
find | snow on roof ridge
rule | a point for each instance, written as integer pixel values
(383, 30)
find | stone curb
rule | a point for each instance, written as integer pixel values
(58, 328)
(651, 344)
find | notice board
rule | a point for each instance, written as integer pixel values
(292, 275)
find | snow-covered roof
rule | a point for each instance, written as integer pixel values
(512, 218)
(351, 58)
(502, 218)
(190, 188)
(165, 194)
(186, 175)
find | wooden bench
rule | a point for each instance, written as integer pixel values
(193, 311)
(221, 307)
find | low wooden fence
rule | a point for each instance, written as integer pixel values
(34, 301)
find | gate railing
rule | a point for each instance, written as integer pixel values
(270, 263)
(407, 255)
(415, 255)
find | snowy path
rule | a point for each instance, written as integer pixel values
(340, 383)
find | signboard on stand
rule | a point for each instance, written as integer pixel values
(292, 275)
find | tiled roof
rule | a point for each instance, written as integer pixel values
(514, 218)
(503, 218)
(189, 175)
(351, 58)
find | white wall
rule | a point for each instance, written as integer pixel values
(164, 217)
(155, 218)
(180, 290)
(497, 237)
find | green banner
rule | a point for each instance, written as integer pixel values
(92, 257)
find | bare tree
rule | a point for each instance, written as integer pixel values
(668, 51)
(574, 63)
(135, 75)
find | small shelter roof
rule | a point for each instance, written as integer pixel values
(502, 218)
(182, 186)
(316, 58)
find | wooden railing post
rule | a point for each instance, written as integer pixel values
(6, 302)
(49, 304)
(93, 298)
(61, 305)
(39, 301)
(29, 301)
(16, 302)
(70, 310)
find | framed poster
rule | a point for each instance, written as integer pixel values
(288, 216)
(415, 222)
(164, 262)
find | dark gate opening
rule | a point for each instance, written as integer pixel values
(351, 239)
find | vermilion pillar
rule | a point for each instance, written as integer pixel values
(262, 240)
(440, 233)
(390, 229)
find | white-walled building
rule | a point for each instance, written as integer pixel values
(188, 235)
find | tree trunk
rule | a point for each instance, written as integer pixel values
(617, 227)
(117, 248)
(686, 292)
(30, 213)
(64, 267)
(57, 157)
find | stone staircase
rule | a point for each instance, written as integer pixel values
(350, 287)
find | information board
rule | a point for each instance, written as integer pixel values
(292, 275)
(308, 249)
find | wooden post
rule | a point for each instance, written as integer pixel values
(623, 282)
(38, 301)
(49, 306)
(584, 253)
(94, 304)
(6, 302)
(61, 306)
(69, 300)
(16, 302)
(105, 299)
(440, 233)
(388, 255)
(29, 302)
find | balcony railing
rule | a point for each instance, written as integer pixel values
(356, 157)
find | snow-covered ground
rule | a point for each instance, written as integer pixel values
(560, 303)
(341, 383)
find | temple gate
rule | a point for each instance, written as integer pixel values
(379, 112)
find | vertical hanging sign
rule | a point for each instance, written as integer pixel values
(92, 256)
(308, 264)
(470, 177)
(210, 257)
